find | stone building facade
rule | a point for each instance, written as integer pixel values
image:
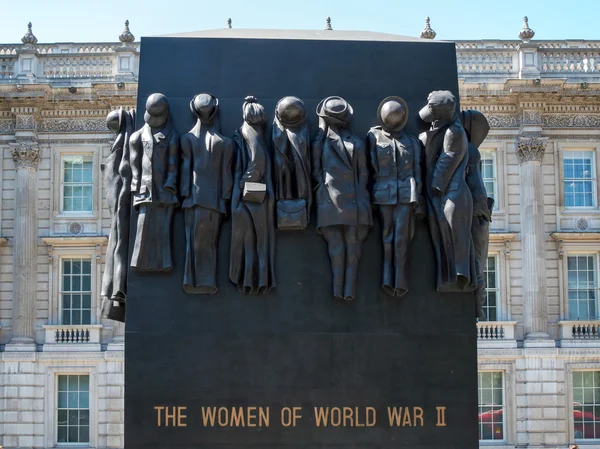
(61, 366)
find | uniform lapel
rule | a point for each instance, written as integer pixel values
(336, 143)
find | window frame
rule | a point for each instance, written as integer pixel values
(593, 179)
(503, 439)
(73, 247)
(62, 258)
(596, 256)
(560, 149)
(57, 409)
(75, 213)
(494, 157)
(51, 419)
(508, 367)
(96, 151)
(570, 367)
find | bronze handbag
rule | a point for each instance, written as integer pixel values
(292, 215)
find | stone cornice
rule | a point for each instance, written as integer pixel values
(83, 241)
(589, 237)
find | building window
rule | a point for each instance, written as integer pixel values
(579, 179)
(73, 409)
(586, 404)
(488, 173)
(491, 307)
(582, 286)
(77, 183)
(491, 405)
(76, 291)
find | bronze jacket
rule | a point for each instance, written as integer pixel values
(396, 166)
(340, 170)
(154, 165)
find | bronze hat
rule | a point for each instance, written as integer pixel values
(441, 104)
(402, 103)
(204, 100)
(335, 110)
(290, 111)
(157, 110)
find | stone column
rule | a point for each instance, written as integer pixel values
(531, 152)
(27, 158)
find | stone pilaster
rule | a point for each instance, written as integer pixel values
(26, 157)
(530, 152)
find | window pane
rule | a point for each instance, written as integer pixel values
(582, 284)
(491, 408)
(76, 306)
(62, 434)
(586, 406)
(491, 303)
(73, 415)
(579, 179)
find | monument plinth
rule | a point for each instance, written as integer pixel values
(296, 366)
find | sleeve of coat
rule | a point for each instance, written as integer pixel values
(372, 148)
(363, 168)
(136, 151)
(317, 151)
(227, 169)
(417, 167)
(455, 147)
(186, 167)
(172, 165)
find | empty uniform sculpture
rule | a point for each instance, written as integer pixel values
(154, 166)
(395, 158)
(117, 189)
(205, 187)
(252, 259)
(292, 164)
(477, 128)
(449, 200)
(343, 204)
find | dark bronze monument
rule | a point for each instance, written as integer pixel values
(250, 201)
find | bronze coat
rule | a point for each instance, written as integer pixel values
(450, 205)
(342, 196)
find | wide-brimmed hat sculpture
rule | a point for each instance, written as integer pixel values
(335, 111)
(290, 112)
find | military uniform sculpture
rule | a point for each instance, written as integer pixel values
(395, 158)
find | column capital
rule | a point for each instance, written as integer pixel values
(26, 155)
(531, 149)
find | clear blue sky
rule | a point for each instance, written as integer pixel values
(73, 20)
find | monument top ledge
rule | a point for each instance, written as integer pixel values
(330, 35)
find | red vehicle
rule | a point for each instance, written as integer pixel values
(586, 424)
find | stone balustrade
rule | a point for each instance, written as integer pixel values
(578, 333)
(496, 334)
(72, 338)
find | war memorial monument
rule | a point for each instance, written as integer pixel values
(299, 221)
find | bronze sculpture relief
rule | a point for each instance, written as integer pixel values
(395, 159)
(291, 145)
(449, 201)
(343, 204)
(477, 128)
(205, 187)
(252, 258)
(117, 189)
(155, 167)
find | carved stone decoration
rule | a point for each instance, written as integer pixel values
(343, 203)
(117, 189)
(75, 228)
(205, 187)
(7, 126)
(571, 120)
(449, 200)
(504, 121)
(70, 125)
(155, 166)
(252, 205)
(25, 123)
(428, 32)
(582, 224)
(526, 33)
(126, 37)
(29, 39)
(26, 155)
(532, 118)
(531, 149)
(477, 128)
(291, 144)
(395, 159)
